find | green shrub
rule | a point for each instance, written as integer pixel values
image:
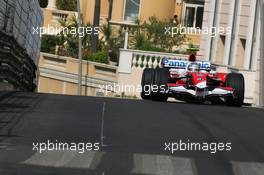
(67, 5)
(192, 49)
(140, 41)
(150, 35)
(48, 43)
(142, 44)
(101, 57)
(87, 57)
(43, 3)
(147, 46)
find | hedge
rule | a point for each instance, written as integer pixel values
(100, 57)
(48, 43)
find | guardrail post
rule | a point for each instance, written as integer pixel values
(125, 61)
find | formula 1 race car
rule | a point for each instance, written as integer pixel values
(192, 81)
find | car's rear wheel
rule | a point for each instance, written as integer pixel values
(159, 88)
(237, 82)
(146, 82)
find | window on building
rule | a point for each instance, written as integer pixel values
(199, 17)
(131, 10)
(220, 49)
(241, 47)
(193, 16)
(243, 43)
(189, 16)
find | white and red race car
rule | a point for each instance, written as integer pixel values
(192, 81)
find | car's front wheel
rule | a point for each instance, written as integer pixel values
(146, 83)
(237, 82)
(159, 87)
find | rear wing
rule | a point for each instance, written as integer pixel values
(182, 64)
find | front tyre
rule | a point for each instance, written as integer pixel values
(237, 82)
(146, 82)
(159, 88)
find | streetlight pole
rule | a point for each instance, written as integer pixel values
(96, 22)
(79, 91)
(261, 68)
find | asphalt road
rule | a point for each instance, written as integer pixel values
(132, 136)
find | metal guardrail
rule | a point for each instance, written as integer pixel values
(73, 78)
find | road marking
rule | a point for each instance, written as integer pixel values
(162, 165)
(51, 158)
(69, 159)
(246, 168)
(88, 160)
(102, 125)
(142, 163)
(100, 161)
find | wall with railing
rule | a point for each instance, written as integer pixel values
(52, 17)
(140, 59)
(59, 74)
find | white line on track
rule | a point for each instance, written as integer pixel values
(102, 125)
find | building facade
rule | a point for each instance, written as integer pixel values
(125, 12)
(239, 48)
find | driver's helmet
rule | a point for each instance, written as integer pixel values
(193, 67)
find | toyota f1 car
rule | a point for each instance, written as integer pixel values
(192, 81)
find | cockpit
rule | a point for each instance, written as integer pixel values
(193, 67)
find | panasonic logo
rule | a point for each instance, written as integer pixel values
(183, 64)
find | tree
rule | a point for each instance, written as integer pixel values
(110, 39)
(107, 35)
(151, 35)
(67, 5)
(69, 37)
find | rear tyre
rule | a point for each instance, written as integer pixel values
(146, 82)
(159, 88)
(237, 82)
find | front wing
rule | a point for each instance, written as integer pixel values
(200, 93)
